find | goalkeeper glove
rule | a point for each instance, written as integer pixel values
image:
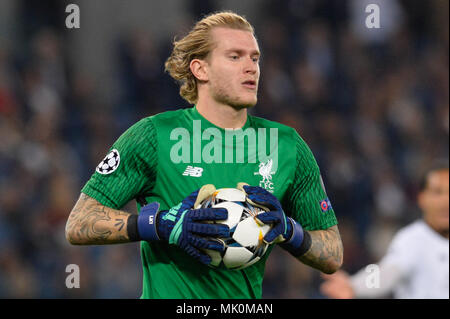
(185, 226)
(285, 230)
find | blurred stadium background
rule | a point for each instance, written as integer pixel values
(373, 104)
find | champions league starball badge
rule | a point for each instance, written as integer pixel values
(110, 163)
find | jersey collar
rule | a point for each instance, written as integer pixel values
(205, 123)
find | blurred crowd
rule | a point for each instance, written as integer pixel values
(372, 104)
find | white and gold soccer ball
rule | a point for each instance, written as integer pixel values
(245, 246)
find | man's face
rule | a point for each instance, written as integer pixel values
(233, 68)
(434, 200)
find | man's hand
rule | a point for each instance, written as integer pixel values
(285, 230)
(185, 226)
(282, 227)
(320, 249)
(337, 286)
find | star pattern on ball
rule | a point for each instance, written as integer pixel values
(110, 163)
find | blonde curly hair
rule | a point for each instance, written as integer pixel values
(197, 45)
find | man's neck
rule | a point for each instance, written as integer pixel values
(222, 115)
(443, 232)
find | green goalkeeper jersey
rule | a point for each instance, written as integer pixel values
(167, 156)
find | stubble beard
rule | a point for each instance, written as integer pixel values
(220, 95)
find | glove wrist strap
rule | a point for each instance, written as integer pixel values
(146, 222)
(300, 241)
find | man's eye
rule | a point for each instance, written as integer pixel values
(234, 57)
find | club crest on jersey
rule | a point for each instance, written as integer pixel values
(110, 163)
(265, 170)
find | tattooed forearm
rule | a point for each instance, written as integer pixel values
(326, 252)
(91, 223)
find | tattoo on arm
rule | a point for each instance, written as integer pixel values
(326, 252)
(91, 223)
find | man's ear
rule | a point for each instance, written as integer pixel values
(199, 69)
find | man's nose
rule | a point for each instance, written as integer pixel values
(251, 66)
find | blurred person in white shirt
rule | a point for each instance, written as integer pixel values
(416, 265)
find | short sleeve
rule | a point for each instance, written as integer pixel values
(129, 169)
(307, 201)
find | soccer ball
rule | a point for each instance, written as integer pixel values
(245, 246)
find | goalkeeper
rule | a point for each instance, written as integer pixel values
(162, 162)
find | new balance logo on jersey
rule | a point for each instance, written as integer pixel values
(193, 171)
